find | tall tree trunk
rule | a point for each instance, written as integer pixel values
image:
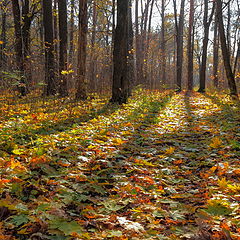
(82, 51)
(3, 37)
(62, 11)
(26, 25)
(93, 50)
(71, 33)
(148, 79)
(55, 38)
(122, 73)
(225, 52)
(206, 24)
(139, 57)
(215, 53)
(113, 20)
(144, 46)
(163, 44)
(131, 75)
(236, 62)
(179, 40)
(50, 88)
(19, 47)
(190, 46)
(228, 30)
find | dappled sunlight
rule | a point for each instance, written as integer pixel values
(155, 167)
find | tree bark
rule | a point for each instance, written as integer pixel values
(215, 53)
(190, 46)
(225, 52)
(55, 33)
(206, 24)
(82, 51)
(179, 39)
(50, 88)
(19, 47)
(71, 32)
(93, 50)
(27, 17)
(139, 56)
(63, 33)
(3, 34)
(236, 62)
(122, 73)
(163, 44)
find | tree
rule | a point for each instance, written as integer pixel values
(71, 32)
(139, 57)
(190, 46)
(50, 88)
(179, 24)
(19, 46)
(3, 37)
(62, 11)
(225, 52)
(163, 44)
(215, 53)
(23, 17)
(82, 51)
(93, 58)
(206, 24)
(122, 65)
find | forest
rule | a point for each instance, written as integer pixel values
(119, 119)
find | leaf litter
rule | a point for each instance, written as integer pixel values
(162, 166)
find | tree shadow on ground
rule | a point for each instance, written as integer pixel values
(233, 107)
(228, 119)
(144, 162)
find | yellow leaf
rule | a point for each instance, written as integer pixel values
(223, 183)
(235, 188)
(118, 141)
(216, 142)
(18, 151)
(170, 150)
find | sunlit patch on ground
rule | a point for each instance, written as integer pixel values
(163, 166)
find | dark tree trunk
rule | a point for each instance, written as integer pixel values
(179, 40)
(190, 46)
(139, 56)
(122, 73)
(148, 78)
(19, 47)
(113, 20)
(26, 25)
(163, 45)
(3, 34)
(225, 52)
(55, 33)
(206, 24)
(131, 75)
(82, 51)
(50, 88)
(228, 30)
(236, 62)
(71, 32)
(93, 50)
(62, 11)
(215, 53)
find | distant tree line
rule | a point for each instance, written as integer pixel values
(84, 47)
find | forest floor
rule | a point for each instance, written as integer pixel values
(162, 166)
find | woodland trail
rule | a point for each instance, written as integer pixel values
(163, 166)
